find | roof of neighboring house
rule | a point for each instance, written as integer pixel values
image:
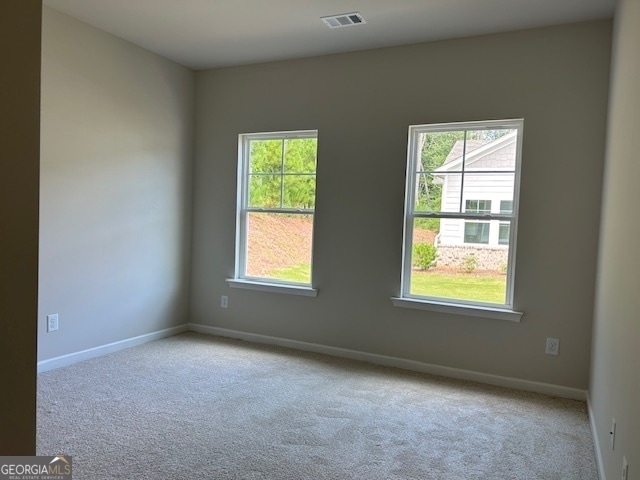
(476, 150)
(457, 149)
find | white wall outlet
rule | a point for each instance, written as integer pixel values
(224, 301)
(553, 346)
(612, 433)
(625, 469)
(52, 323)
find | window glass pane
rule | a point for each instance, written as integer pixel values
(279, 246)
(265, 156)
(475, 140)
(299, 191)
(503, 235)
(455, 271)
(489, 185)
(438, 192)
(478, 206)
(476, 232)
(300, 155)
(440, 151)
(506, 206)
(424, 250)
(490, 149)
(425, 230)
(265, 191)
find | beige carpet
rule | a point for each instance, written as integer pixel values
(200, 407)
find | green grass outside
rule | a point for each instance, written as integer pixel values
(297, 273)
(463, 286)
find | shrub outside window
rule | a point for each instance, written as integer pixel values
(462, 200)
(276, 206)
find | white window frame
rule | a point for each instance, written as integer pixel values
(241, 279)
(450, 305)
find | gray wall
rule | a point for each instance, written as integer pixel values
(19, 137)
(615, 380)
(362, 104)
(117, 141)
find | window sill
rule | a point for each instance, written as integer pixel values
(459, 309)
(272, 287)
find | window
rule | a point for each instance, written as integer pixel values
(477, 232)
(461, 200)
(276, 204)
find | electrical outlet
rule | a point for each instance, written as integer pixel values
(625, 469)
(553, 346)
(224, 301)
(612, 433)
(52, 323)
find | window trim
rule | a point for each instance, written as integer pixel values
(240, 278)
(495, 313)
(452, 305)
(259, 285)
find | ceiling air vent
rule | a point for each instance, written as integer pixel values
(343, 20)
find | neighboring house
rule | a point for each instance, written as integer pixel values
(488, 188)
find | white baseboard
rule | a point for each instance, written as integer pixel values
(510, 382)
(516, 383)
(64, 360)
(596, 442)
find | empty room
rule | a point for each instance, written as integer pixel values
(323, 239)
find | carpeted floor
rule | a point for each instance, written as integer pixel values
(200, 407)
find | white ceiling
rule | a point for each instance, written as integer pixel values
(213, 33)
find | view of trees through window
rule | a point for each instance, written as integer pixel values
(282, 173)
(280, 203)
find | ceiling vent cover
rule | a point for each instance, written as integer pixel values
(343, 20)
